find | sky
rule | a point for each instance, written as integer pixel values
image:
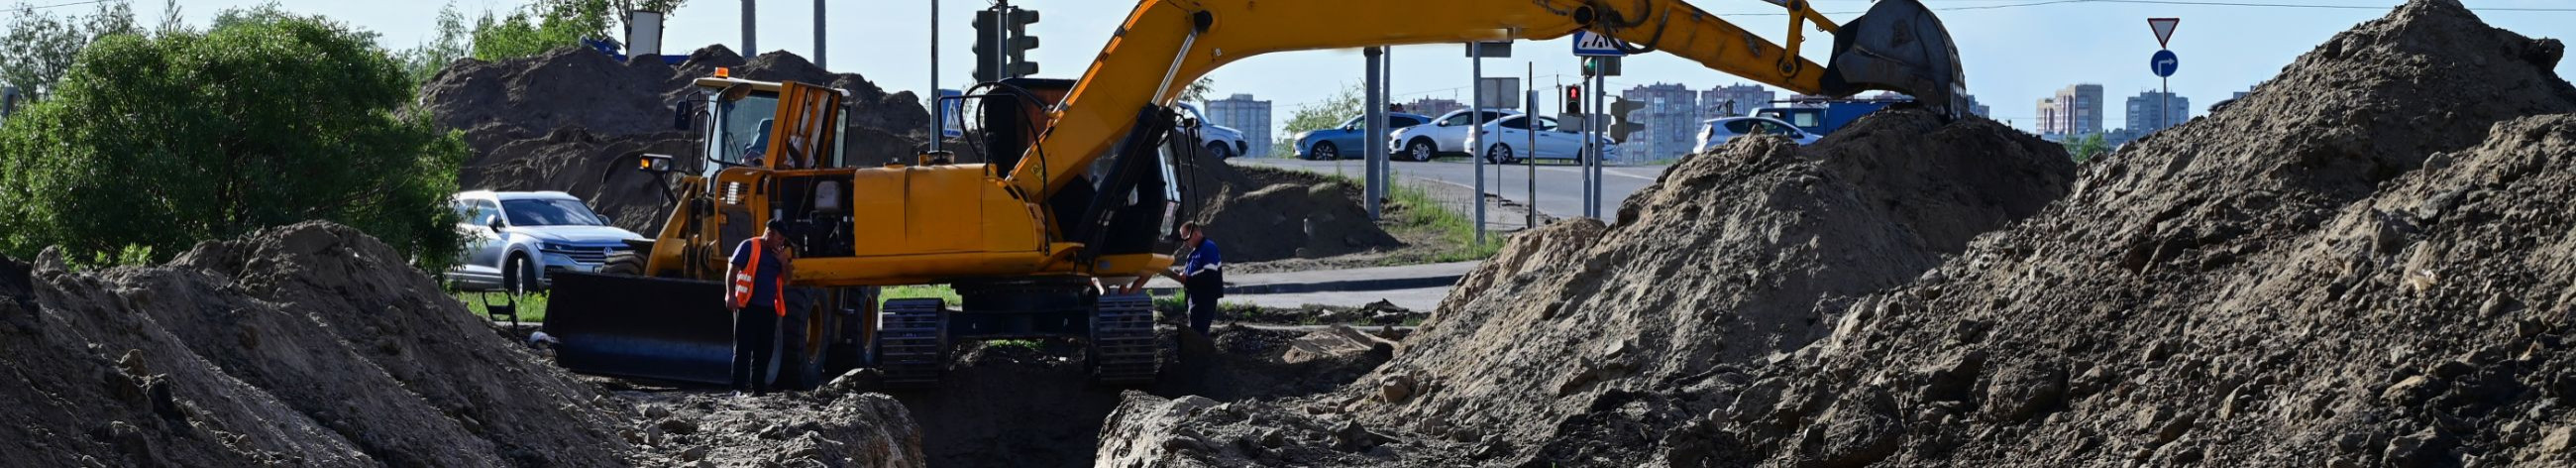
(2014, 54)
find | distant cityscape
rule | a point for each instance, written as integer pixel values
(1672, 113)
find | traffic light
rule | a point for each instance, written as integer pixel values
(1591, 67)
(1623, 121)
(988, 46)
(1018, 47)
(1573, 100)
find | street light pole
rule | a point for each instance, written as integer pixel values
(940, 120)
(750, 22)
(818, 36)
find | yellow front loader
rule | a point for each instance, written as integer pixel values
(1077, 182)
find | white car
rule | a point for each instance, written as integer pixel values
(1444, 135)
(1716, 132)
(516, 241)
(1220, 140)
(1508, 140)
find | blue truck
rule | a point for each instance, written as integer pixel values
(1823, 117)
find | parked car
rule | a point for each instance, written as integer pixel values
(1716, 132)
(1823, 118)
(1444, 135)
(516, 240)
(1508, 140)
(1220, 140)
(1331, 143)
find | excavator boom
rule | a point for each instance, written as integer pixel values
(1166, 44)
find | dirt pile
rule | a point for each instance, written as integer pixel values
(309, 344)
(1726, 259)
(2364, 263)
(557, 121)
(831, 427)
(1262, 214)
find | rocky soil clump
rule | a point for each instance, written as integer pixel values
(310, 344)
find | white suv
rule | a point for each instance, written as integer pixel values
(1716, 132)
(1444, 135)
(1220, 140)
(516, 240)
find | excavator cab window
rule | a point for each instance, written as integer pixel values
(739, 130)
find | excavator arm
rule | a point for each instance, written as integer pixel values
(1166, 44)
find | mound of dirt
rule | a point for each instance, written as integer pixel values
(1260, 214)
(2379, 278)
(560, 120)
(2382, 277)
(1726, 259)
(310, 344)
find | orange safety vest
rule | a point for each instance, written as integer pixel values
(744, 282)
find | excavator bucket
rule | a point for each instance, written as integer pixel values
(1899, 46)
(641, 327)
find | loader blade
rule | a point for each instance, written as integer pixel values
(1899, 46)
(641, 327)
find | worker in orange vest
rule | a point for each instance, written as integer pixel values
(760, 265)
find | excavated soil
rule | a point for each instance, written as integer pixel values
(560, 120)
(303, 345)
(2370, 261)
(1260, 214)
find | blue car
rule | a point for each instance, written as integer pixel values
(1340, 142)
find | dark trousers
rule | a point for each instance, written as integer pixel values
(1204, 290)
(755, 343)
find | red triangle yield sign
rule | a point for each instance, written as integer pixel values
(2164, 29)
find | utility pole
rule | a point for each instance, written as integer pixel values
(750, 22)
(1375, 109)
(936, 124)
(818, 36)
(1530, 87)
(1476, 138)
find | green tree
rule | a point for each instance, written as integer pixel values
(152, 144)
(2085, 148)
(1328, 113)
(1198, 91)
(454, 41)
(40, 47)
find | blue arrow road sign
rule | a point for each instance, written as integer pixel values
(2164, 63)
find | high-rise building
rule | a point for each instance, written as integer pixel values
(1670, 113)
(1734, 100)
(2149, 111)
(1250, 116)
(1433, 106)
(1979, 110)
(2076, 110)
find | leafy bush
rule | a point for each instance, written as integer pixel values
(149, 145)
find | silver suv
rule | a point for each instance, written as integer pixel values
(515, 240)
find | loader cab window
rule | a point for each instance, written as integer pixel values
(741, 135)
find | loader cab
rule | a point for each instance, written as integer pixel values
(742, 119)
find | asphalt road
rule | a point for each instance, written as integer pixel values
(1559, 188)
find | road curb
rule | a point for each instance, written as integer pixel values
(1371, 284)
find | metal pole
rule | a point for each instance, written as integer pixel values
(750, 22)
(1375, 109)
(818, 37)
(1593, 201)
(1476, 139)
(1530, 88)
(939, 123)
(2167, 112)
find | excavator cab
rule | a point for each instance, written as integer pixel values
(770, 150)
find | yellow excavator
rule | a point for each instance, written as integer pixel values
(1077, 184)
